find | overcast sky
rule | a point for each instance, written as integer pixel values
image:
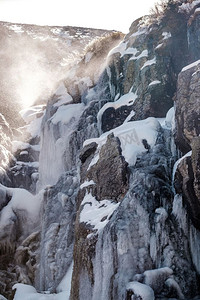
(105, 14)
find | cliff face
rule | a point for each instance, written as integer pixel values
(115, 213)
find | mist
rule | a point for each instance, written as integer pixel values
(34, 59)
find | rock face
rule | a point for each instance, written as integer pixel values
(187, 138)
(108, 169)
(187, 107)
(115, 210)
(147, 62)
(57, 232)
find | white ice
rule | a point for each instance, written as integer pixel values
(66, 113)
(149, 63)
(166, 35)
(94, 211)
(155, 82)
(28, 292)
(63, 96)
(194, 64)
(131, 135)
(140, 290)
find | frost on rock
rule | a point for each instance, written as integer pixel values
(20, 207)
(136, 137)
(95, 213)
(139, 291)
(24, 292)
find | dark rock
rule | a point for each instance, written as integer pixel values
(187, 183)
(87, 151)
(196, 165)
(113, 118)
(110, 172)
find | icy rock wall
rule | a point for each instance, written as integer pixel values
(57, 234)
(138, 235)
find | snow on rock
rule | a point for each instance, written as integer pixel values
(132, 114)
(87, 183)
(132, 135)
(33, 117)
(65, 113)
(21, 199)
(96, 213)
(130, 50)
(170, 119)
(121, 48)
(149, 63)
(140, 291)
(28, 292)
(31, 113)
(187, 7)
(172, 284)
(63, 96)
(154, 82)
(159, 46)
(127, 99)
(194, 64)
(18, 145)
(144, 53)
(155, 278)
(166, 35)
(139, 32)
(178, 162)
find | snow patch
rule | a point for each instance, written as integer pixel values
(86, 184)
(187, 7)
(66, 113)
(63, 96)
(144, 53)
(21, 200)
(166, 35)
(154, 82)
(131, 135)
(28, 292)
(159, 46)
(149, 63)
(140, 290)
(18, 145)
(194, 64)
(127, 99)
(96, 213)
(121, 48)
(178, 162)
(139, 32)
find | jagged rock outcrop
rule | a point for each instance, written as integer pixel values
(108, 170)
(187, 113)
(147, 62)
(137, 236)
(117, 216)
(187, 107)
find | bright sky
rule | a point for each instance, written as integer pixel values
(105, 14)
